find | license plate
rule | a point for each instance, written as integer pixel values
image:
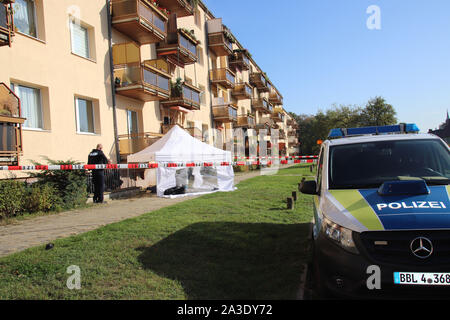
(422, 278)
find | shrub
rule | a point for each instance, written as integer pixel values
(70, 185)
(41, 197)
(12, 198)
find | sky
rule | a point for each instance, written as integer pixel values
(321, 52)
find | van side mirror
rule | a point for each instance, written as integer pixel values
(309, 187)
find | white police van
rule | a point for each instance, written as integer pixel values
(381, 198)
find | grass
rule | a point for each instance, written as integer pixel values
(235, 245)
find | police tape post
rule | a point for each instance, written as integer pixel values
(268, 164)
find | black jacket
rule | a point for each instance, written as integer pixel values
(97, 157)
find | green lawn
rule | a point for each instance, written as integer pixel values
(235, 245)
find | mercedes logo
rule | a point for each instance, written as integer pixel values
(421, 247)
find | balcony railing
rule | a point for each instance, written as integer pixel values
(6, 24)
(140, 20)
(188, 97)
(182, 8)
(224, 111)
(258, 80)
(275, 97)
(144, 82)
(224, 77)
(219, 38)
(242, 91)
(262, 105)
(135, 142)
(239, 60)
(246, 121)
(180, 48)
(278, 115)
(10, 127)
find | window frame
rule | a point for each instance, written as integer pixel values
(36, 36)
(77, 117)
(129, 111)
(15, 88)
(73, 21)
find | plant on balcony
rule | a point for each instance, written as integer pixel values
(176, 87)
(161, 9)
(228, 35)
(244, 51)
(190, 34)
(194, 3)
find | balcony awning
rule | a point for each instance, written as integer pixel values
(181, 109)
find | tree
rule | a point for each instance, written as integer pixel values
(378, 113)
(316, 127)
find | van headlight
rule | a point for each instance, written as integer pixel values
(340, 235)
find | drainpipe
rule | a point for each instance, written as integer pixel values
(208, 86)
(113, 87)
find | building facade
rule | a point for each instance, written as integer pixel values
(122, 73)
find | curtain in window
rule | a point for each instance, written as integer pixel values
(30, 99)
(24, 17)
(80, 40)
(85, 116)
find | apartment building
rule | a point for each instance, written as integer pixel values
(123, 73)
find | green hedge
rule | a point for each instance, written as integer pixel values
(54, 191)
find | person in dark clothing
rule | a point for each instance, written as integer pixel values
(98, 176)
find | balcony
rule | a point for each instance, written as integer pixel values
(144, 81)
(140, 20)
(135, 142)
(246, 121)
(224, 111)
(242, 91)
(223, 76)
(262, 105)
(182, 8)
(10, 127)
(258, 80)
(239, 60)
(220, 40)
(187, 97)
(275, 97)
(278, 115)
(180, 46)
(6, 24)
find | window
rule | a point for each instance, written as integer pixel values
(25, 17)
(80, 40)
(31, 105)
(368, 165)
(202, 95)
(85, 115)
(132, 122)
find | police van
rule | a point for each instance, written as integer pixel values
(381, 209)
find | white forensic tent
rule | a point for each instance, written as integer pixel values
(178, 146)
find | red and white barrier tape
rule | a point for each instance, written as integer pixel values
(149, 165)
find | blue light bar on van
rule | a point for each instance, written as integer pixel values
(399, 128)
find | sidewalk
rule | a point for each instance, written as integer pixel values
(41, 230)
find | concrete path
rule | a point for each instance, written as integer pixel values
(41, 230)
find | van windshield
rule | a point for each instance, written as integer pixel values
(368, 165)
